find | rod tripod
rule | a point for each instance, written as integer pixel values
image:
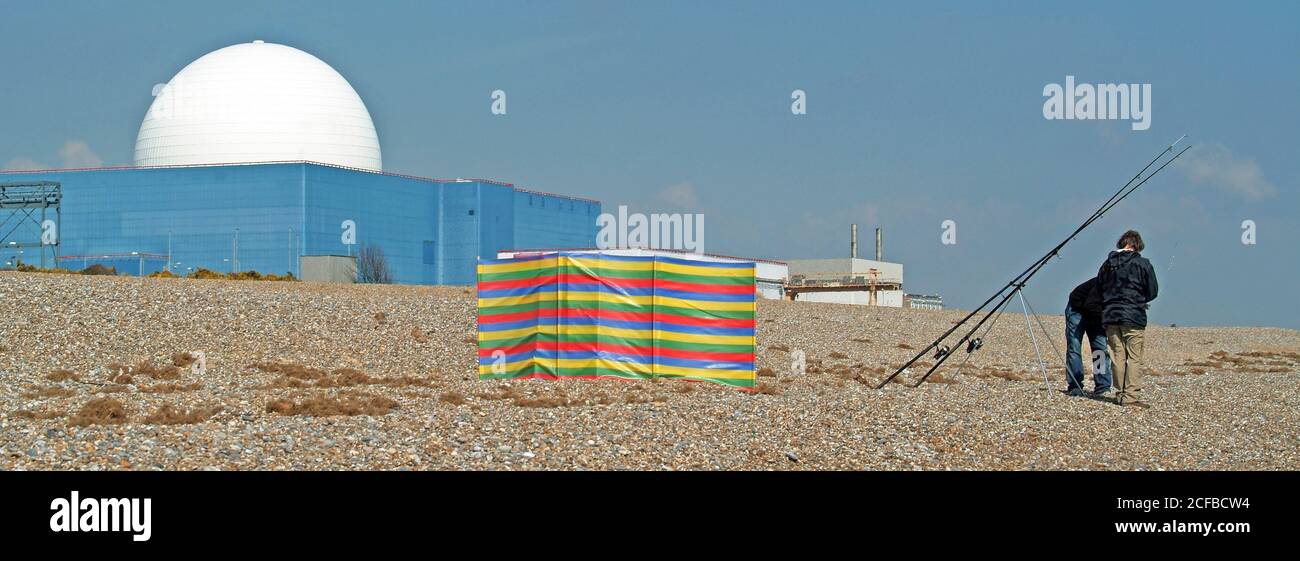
(1024, 306)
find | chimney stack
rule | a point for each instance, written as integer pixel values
(853, 242)
(879, 250)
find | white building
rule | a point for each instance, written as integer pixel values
(846, 281)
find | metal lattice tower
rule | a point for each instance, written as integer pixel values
(24, 209)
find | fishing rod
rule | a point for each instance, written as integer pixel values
(1019, 286)
(1019, 281)
(945, 350)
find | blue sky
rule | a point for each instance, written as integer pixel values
(915, 115)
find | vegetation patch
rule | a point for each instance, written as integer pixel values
(45, 393)
(166, 372)
(325, 406)
(183, 360)
(100, 411)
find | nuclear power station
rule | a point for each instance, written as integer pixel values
(256, 157)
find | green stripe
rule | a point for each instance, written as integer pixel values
(514, 275)
(703, 279)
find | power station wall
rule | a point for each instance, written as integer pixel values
(547, 221)
(397, 214)
(431, 232)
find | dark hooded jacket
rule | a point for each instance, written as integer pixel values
(1128, 283)
(1086, 299)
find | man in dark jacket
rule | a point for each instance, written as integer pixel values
(1083, 313)
(1128, 283)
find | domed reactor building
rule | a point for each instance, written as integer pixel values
(262, 157)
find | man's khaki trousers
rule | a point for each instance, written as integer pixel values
(1126, 351)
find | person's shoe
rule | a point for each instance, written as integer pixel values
(1074, 392)
(1100, 393)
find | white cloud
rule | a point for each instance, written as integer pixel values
(681, 195)
(77, 154)
(73, 154)
(1217, 166)
(24, 163)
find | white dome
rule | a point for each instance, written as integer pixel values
(258, 102)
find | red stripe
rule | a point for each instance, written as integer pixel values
(706, 288)
(703, 322)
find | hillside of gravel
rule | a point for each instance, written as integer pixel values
(124, 373)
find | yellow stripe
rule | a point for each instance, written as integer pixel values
(516, 300)
(636, 367)
(704, 372)
(587, 296)
(487, 268)
(705, 271)
(608, 264)
(704, 304)
(509, 366)
(513, 333)
(546, 363)
(710, 339)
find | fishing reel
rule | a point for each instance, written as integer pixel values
(974, 345)
(941, 352)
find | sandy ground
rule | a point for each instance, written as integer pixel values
(309, 376)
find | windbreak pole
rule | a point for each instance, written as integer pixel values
(1018, 282)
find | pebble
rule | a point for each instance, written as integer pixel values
(995, 415)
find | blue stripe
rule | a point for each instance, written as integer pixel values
(577, 355)
(521, 291)
(605, 288)
(508, 325)
(710, 364)
(487, 360)
(718, 264)
(700, 330)
(709, 296)
(606, 322)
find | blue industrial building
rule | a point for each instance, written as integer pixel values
(265, 216)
